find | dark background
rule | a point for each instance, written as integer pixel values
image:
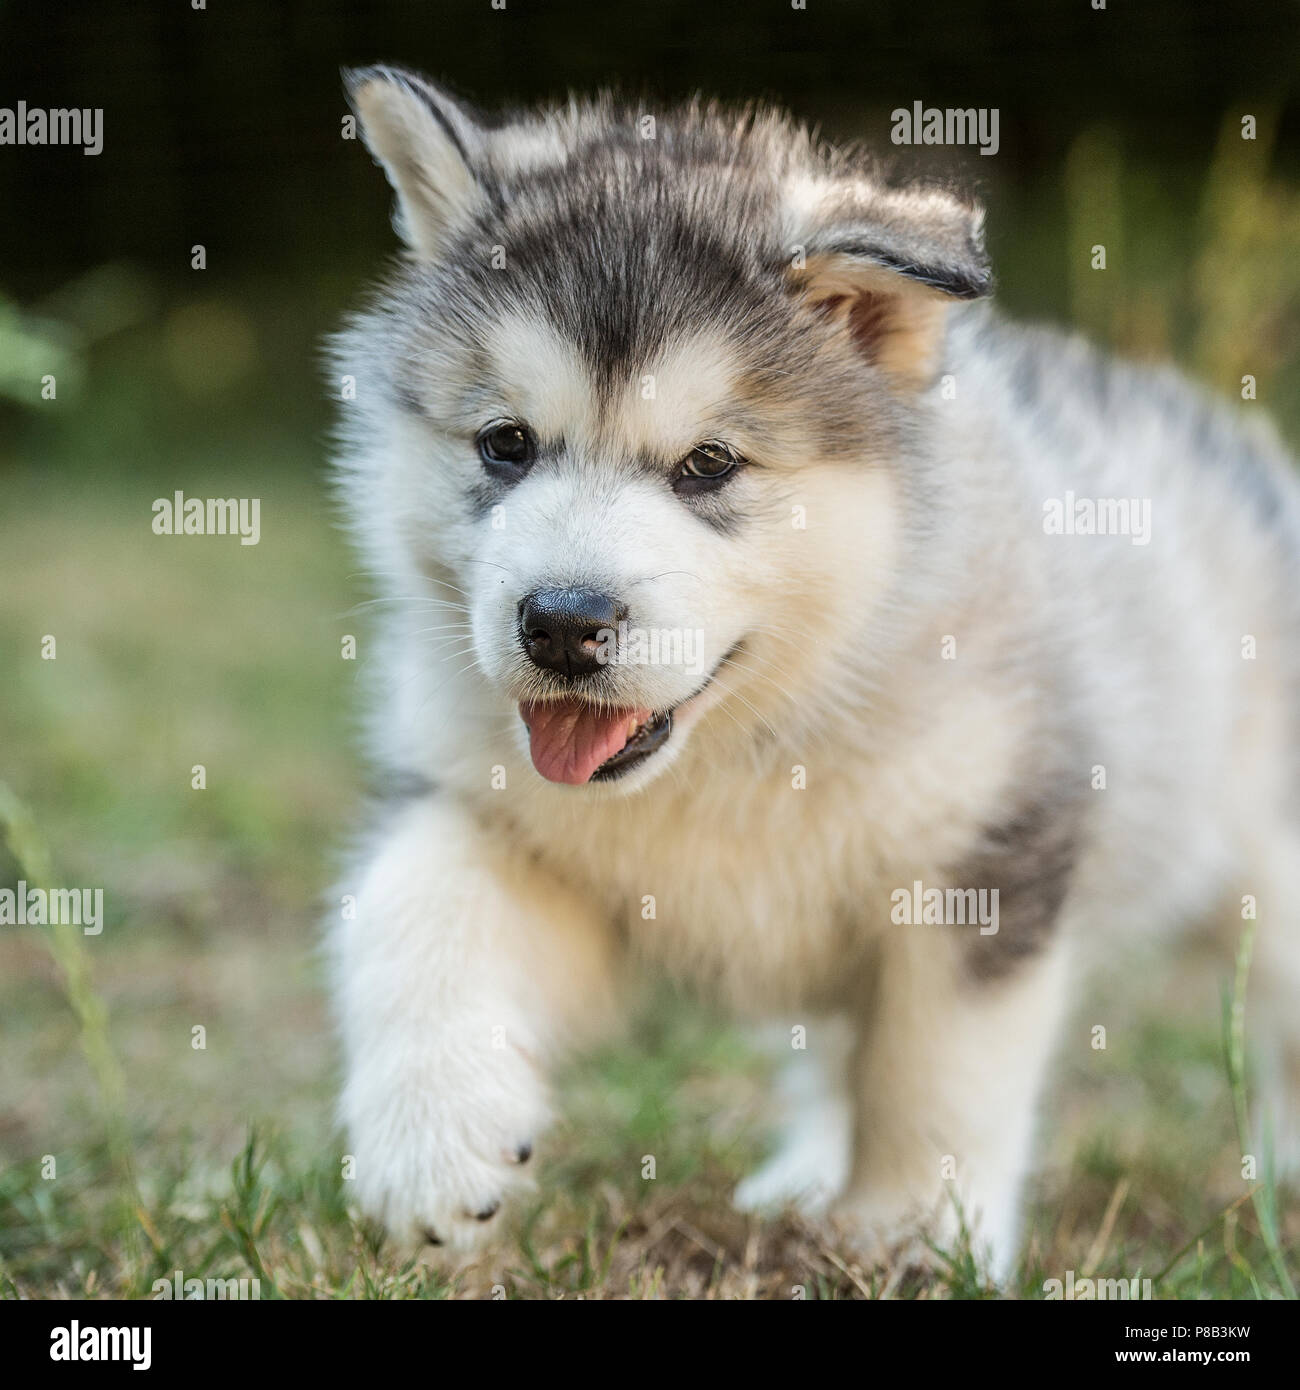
(222, 127)
(225, 122)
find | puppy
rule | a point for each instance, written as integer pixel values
(759, 607)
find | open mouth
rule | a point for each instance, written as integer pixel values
(572, 741)
(575, 742)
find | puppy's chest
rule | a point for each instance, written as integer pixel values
(752, 923)
(763, 901)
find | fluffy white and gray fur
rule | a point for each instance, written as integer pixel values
(904, 678)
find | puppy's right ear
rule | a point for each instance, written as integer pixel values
(426, 142)
(888, 264)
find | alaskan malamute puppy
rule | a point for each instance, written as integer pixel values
(757, 606)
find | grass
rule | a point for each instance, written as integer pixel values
(222, 1161)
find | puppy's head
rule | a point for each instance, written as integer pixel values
(640, 398)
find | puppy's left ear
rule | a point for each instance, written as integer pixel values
(888, 264)
(427, 143)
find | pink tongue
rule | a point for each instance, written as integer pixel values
(569, 740)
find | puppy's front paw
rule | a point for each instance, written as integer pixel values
(439, 1154)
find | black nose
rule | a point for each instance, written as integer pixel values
(567, 630)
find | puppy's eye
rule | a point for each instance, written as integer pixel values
(509, 447)
(706, 464)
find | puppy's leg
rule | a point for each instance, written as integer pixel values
(463, 970)
(811, 1163)
(948, 1073)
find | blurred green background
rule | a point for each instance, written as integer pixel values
(222, 127)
